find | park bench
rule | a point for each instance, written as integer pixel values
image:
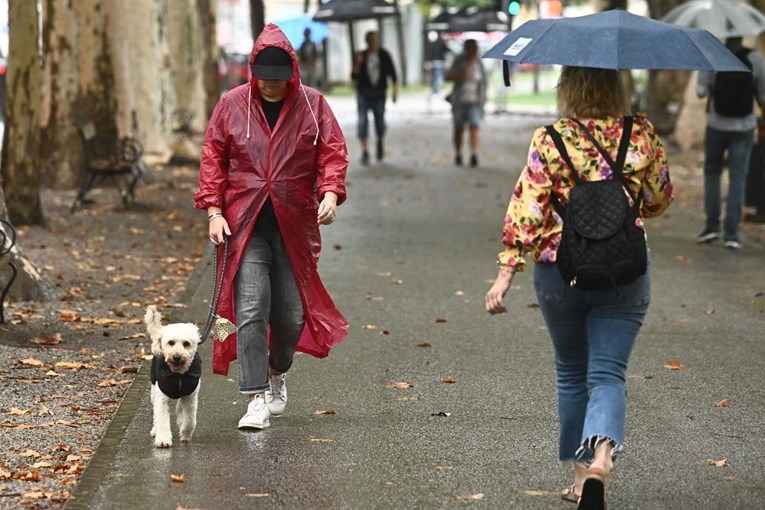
(109, 158)
(7, 240)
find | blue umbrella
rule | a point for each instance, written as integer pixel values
(294, 27)
(618, 40)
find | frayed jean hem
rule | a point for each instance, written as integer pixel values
(586, 452)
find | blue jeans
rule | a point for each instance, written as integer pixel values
(377, 105)
(593, 333)
(437, 76)
(739, 146)
(266, 295)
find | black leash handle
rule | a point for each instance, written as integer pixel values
(217, 288)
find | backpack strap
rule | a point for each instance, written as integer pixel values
(618, 165)
(558, 141)
(561, 147)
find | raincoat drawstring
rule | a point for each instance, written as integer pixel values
(249, 105)
(316, 122)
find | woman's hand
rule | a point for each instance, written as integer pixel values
(327, 209)
(218, 227)
(495, 297)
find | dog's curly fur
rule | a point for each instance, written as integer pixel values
(177, 345)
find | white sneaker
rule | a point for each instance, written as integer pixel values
(257, 416)
(276, 396)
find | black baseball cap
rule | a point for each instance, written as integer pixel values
(272, 63)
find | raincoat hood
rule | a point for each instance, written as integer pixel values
(272, 35)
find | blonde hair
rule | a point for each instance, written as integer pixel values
(587, 92)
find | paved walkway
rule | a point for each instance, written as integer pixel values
(408, 262)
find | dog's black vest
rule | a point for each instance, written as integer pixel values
(176, 385)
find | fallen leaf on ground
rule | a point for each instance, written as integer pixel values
(538, 493)
(448, 380)
(320, 440)
(370, 297)
(51, 340)
(257, 495)
(471, 497)
(424, 344)
(369, 326)
(69, 316)
(444, 468)
(30, 453)
(723, 403)
(326, 411)
(459, 293)
(441, 413)
(178, 478)
(409, 398)
(396, 281)
(15, 411)
(718, 463)
(673, 364)
(440, 320)
(681, 258)
(400, 385)
(32, 362)
(73, 365)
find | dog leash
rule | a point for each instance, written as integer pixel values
(217, 288)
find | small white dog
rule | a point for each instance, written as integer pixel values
(176, 371)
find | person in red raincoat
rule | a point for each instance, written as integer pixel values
(272, 170)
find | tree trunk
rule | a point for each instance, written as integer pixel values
(79, 85)
(138, 47)
(61, 158)
(257, 17)
(211, 77)
(20, 167)
(188, 58)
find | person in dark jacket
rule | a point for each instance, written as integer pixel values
(372, 70)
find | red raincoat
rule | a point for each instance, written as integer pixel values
(244, 162)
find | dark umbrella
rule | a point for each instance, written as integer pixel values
(615, 39)
(468, 20)
(352, 10)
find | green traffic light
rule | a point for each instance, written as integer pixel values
(513, 8)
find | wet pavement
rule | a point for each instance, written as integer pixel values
(408, 262)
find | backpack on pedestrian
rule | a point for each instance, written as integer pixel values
(734, 92)
(601, 245)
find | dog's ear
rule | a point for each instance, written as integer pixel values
(153, 320)
(156, 346)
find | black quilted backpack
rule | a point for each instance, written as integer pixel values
(601, 246)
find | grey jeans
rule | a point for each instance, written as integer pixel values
(266, 295)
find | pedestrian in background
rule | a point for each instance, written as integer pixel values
(308, 56)
(435, 61)
(273, 169)
(731, 123)
(468, 99)
(372, 71)
(592, 332)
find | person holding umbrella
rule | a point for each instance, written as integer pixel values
(593, 331)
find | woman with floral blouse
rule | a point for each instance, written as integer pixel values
(592, 332)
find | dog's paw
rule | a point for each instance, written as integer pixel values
(163, 442)
(186, 439)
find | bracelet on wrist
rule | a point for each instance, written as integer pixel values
(214, 215)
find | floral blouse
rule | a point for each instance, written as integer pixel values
(531, 223)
